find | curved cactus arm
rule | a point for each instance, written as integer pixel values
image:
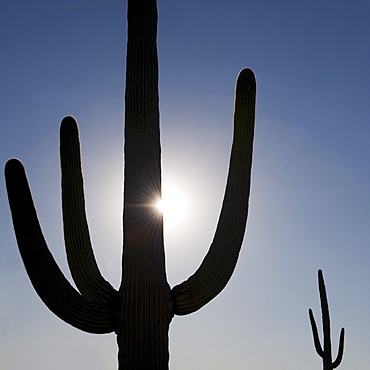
(315, 334)
(219, 263)
(338, 360)
(80, 255)
(46, 277)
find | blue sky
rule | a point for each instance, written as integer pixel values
(309, 205)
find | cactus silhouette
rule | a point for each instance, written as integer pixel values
(325, 353)
(141, 310)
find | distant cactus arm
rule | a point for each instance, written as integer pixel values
(339, 358)
(315, 334)
(220, 261)
(46, 277)
(80, 255)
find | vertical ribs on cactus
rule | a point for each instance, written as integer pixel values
(141, 310)
(325, 351)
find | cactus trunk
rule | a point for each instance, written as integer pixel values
(146, 307)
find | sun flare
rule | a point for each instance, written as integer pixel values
(173, 205)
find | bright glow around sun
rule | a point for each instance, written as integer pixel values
(173, 205)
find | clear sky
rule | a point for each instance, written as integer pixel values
(309, 206)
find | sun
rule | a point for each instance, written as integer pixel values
(173, 205)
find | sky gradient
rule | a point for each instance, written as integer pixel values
(309, 205)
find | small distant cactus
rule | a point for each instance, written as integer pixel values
(325, 353)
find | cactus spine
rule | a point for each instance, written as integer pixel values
(141, 310)
(325, 353)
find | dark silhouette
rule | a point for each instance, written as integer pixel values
(326, 352)
(141, 310)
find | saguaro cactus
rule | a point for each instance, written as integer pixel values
(141, 310)
(325, 353)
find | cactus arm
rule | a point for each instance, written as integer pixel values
(80, 255)
(315, 334)
(46, 277)
(220, 261)
(338, 360)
